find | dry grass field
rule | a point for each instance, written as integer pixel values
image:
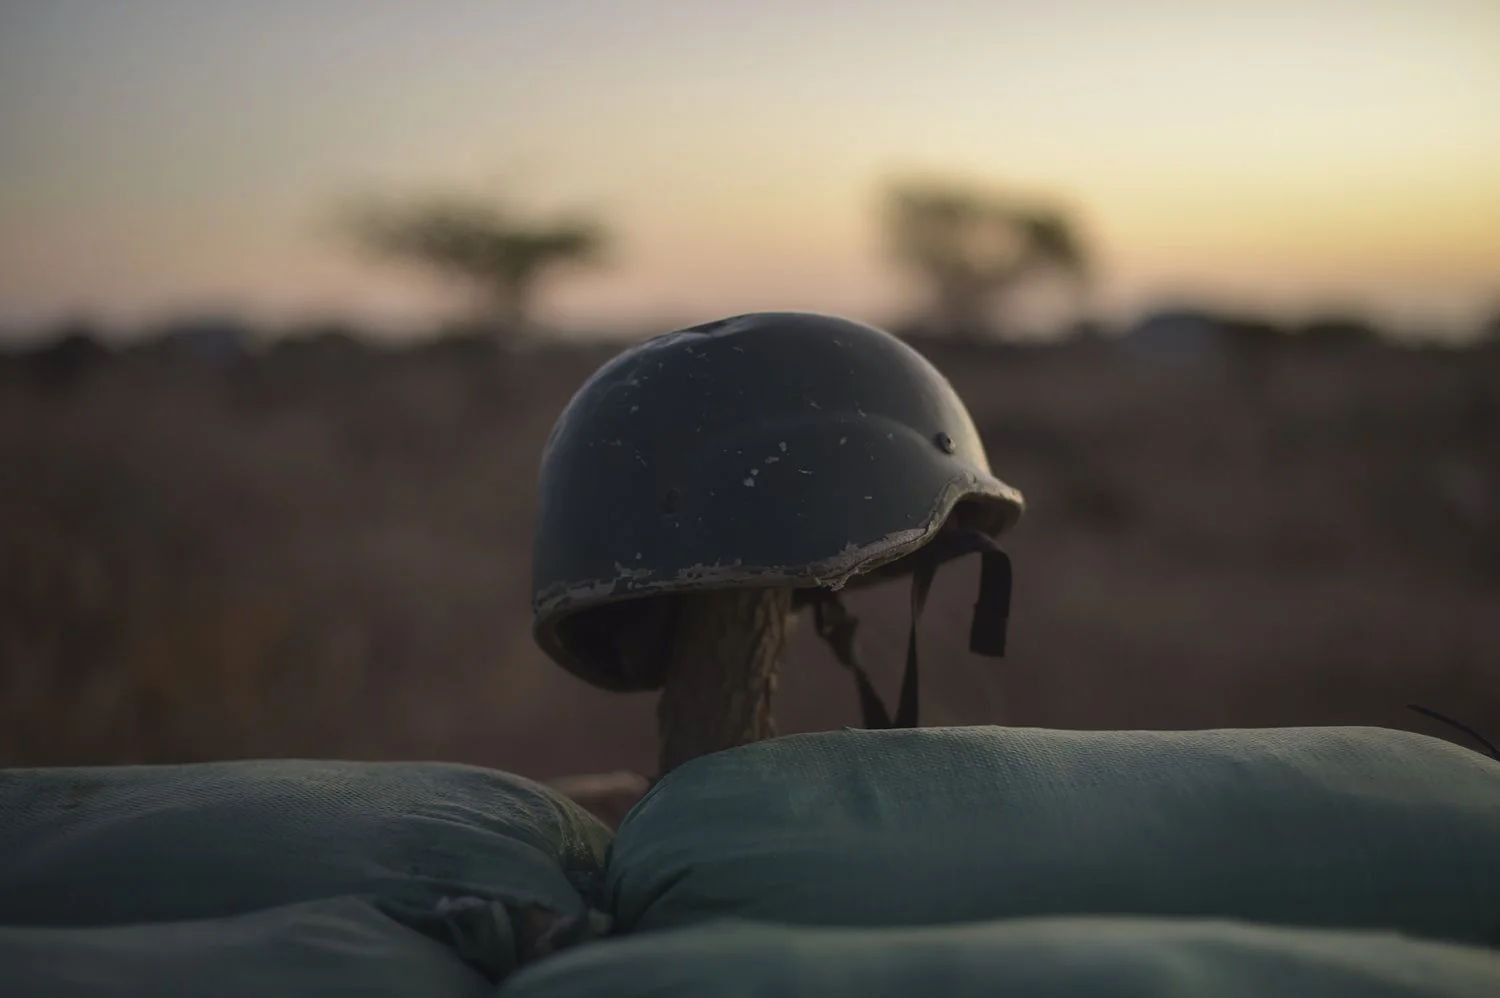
(323, 550)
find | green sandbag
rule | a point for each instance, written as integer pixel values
(1030, 958)
(499, 863)
(340, 946)
(1333, 827)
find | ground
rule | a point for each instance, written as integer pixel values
(324, 551)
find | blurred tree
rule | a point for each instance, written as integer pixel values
(505, 256)
(71, 351)
(1490, 328)
(1337, 332)
(973, 248)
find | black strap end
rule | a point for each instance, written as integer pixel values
(991, 621)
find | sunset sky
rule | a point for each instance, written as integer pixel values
(168, 155)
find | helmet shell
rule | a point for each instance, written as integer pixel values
(778, 449)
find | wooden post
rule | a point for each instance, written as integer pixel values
(721, 672)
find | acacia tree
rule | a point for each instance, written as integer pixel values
(973, 248)
(1489, 330)
(504, 256)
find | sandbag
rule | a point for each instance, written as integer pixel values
(1057, 957)
(340, 946)
(1333, 827)
(501, 864)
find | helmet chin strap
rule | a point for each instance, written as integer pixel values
(987, 632)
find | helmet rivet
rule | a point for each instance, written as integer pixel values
(944, 442)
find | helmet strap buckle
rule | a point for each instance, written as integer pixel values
(987, 633)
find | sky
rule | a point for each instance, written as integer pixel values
(159, 157)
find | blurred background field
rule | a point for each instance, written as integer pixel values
(279, 350)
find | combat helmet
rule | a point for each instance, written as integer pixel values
(771, 449)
